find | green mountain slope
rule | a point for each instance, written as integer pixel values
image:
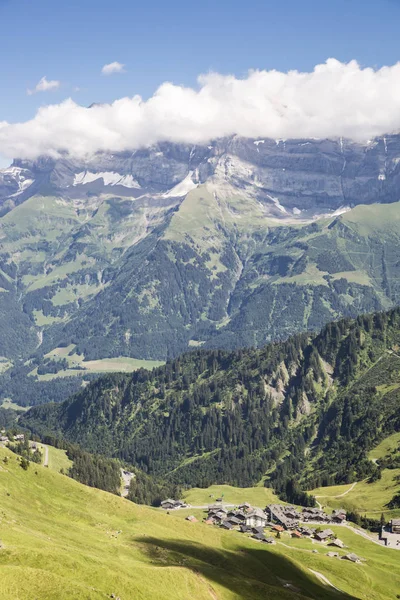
(117, 278)
(62, 540)
(309, 408)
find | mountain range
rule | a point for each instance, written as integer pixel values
(146, 254)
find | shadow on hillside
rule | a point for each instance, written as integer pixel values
(246, 572)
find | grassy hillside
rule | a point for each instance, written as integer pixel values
(364, 497)
(76, 543)
(257, 496)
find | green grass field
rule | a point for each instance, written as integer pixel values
(61, 540)
(386, 447)
(58, 459)
(257, 496)
(367, 498)
(77, 364)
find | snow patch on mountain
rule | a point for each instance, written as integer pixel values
(17, 176)
(182, 188)
(277, 203)
(108, 177)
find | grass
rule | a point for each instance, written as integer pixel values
(78, 365)
(257, 496)
(8, 403)
(386, 447)
(58, 459)
(64, 541)
(366, 498)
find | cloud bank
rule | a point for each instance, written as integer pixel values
(44, 85)
(114, 67)
(333, 100)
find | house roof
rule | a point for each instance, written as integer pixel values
(296, 534)
(352, 557)
(257, 512)
(258, 529)
(324, 534)
(226, 525)
(337, 543)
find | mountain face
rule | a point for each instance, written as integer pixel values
(230, 244)
(310, 408)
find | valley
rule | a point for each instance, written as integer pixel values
(212, 247)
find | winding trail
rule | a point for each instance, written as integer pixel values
(351, 488)
(325, 580)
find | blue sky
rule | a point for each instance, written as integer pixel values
(70, 41)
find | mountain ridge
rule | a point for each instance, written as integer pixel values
(309, 408)
(212, 250)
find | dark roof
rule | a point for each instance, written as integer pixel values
(259, 536)
(226, 525)
(258, 529)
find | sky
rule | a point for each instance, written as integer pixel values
(51, 51)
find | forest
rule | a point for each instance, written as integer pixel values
(305, 411)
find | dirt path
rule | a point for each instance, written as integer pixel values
(46, 456)
(347, 491)
(325, 580)
(351, 488)
(126, 477)
(210, 588)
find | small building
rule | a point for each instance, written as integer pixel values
(270, 540)
(234, 521)
(170, 504)
(306, 531)
(226, 525)
(324, 535)
(244, 529)
(296, 534)
(4, 439)
(209, 521)
(338, 543)
(352, 558)
(19, 437)
(394, 526)
(216, 508)
(258, 529)
(256, 517)
(339, 515)
(191, 518)
(259, 536)
(240, 515)
(333, 554)
(278, 528)
(245, 506)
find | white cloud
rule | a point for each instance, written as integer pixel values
(44, 85)
(114, 67)
(335, 99)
